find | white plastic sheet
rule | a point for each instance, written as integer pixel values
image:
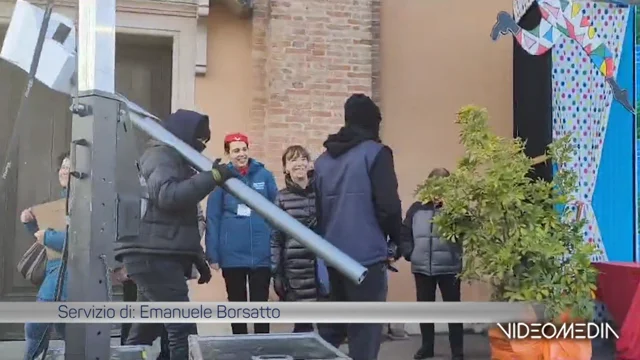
(58, 60)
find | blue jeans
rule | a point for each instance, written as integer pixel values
(37, 337)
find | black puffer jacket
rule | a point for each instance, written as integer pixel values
(294, 264)
(169, 223)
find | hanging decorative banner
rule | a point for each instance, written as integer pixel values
(520, 8)
(565, 18)
(619, 2)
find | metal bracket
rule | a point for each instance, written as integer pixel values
(81, 142)
(77, 174)
(123, 116)
(81, 110)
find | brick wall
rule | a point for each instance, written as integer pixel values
(308, 57)
(375, 52)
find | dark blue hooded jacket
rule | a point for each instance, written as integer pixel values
(232, 238)
(169, 225)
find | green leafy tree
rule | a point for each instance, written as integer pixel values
(517, 232)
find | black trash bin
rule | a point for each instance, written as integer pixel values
(300, 346)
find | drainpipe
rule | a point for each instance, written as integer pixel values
(241, 8)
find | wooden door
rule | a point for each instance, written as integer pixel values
(143, 74)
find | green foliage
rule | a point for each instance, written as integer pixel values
(511, 227)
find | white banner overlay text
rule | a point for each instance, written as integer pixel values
(271, 312)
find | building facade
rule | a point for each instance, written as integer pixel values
(282, 75)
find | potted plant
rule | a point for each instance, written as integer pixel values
(521, 235)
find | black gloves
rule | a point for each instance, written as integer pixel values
(393, 252)
(204, 270)
(312, 223)
(220, 172)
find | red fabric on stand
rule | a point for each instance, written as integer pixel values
(619, 290)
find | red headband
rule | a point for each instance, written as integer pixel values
(236, 137)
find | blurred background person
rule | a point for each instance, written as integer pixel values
(37, 335)
(435, 263)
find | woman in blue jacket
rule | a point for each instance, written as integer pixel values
(37, 334)
(238, 239)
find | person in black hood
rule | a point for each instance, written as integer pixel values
(160, 259)
(190, 127)
(359, 211)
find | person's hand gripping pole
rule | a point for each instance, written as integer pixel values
(220, 172)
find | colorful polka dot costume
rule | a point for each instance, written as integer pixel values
(583, 85)
(582, 101)
(567, 19)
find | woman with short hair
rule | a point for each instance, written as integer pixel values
(296, 270)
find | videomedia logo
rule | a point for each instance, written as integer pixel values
(577, 331)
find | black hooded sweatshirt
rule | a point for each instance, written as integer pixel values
(169, 225)
(384, 183)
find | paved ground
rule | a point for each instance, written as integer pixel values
(476, 348)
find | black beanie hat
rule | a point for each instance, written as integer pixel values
(361, 111)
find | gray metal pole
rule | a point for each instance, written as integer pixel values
(276, 216)
(94, 198)
(97, 45)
